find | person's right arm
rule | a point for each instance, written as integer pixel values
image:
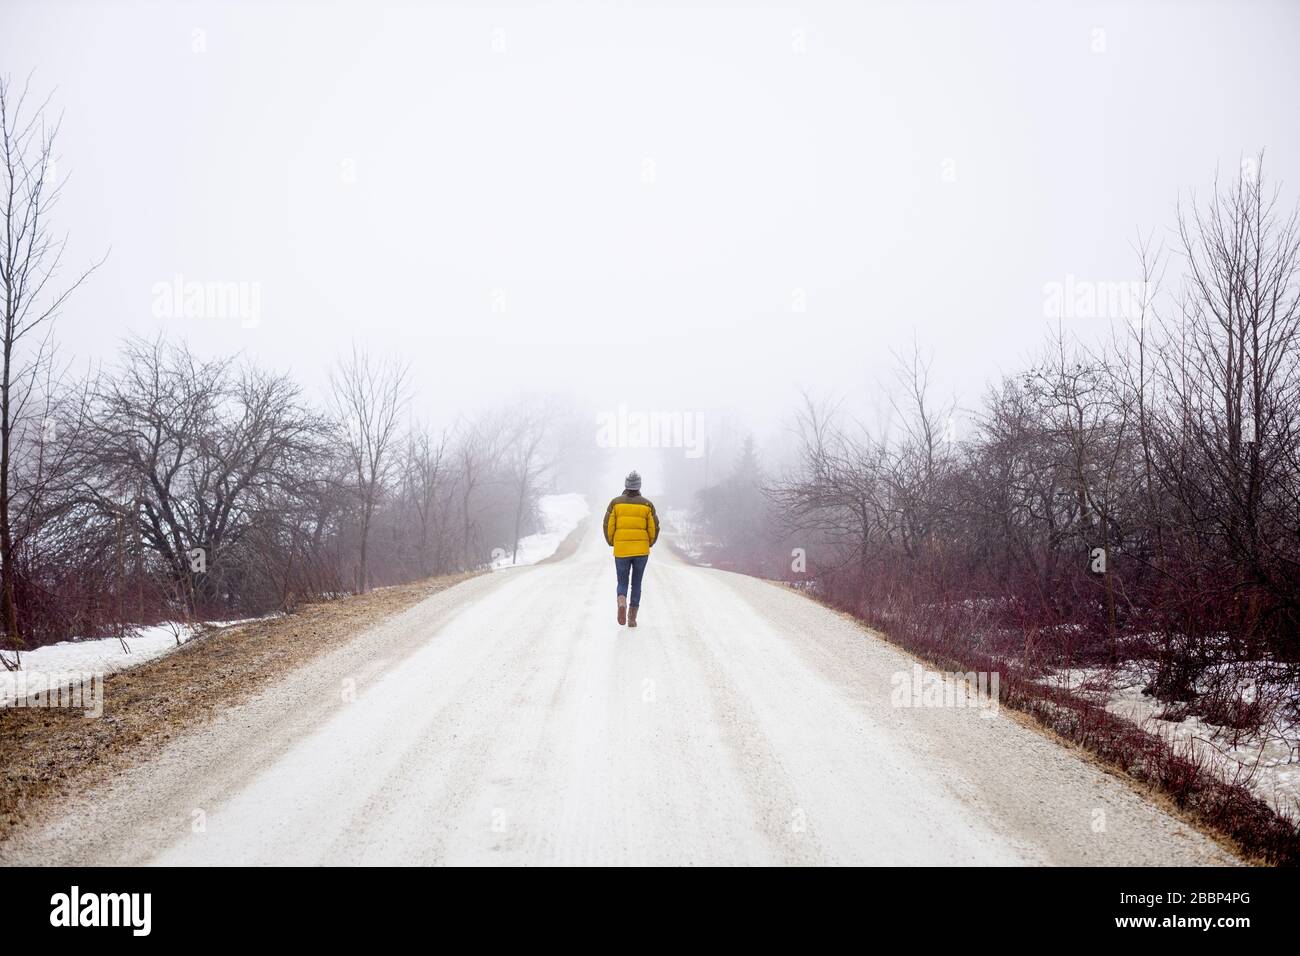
(609, 523)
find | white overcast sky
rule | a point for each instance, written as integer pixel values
(388, 172)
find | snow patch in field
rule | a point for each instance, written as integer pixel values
(560, 514)
(1267, 762)
(103, 655)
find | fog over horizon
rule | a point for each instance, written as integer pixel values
(674, 209)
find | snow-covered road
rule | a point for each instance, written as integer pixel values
(511, 720)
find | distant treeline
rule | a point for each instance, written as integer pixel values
(174, 487)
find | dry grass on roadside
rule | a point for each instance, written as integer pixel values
(45, 751)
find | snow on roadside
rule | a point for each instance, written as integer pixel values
(560, 514)
(684, 533)
(1267, 762)
(102, 655)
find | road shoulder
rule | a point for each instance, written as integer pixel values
(49, 754)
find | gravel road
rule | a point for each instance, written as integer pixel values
(510, 720)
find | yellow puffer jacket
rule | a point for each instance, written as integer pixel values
(631, 525)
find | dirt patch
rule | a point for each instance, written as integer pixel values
(47, 751)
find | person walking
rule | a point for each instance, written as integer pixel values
(631, 528)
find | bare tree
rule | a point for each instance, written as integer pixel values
(425, 482)
(368, 396)
(30, 257)
(526, 463)
(477, 452)
(192, 455)
(1230, 376)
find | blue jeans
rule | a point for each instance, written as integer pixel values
(622, 566)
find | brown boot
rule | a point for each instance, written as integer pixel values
(622, 610)
(631, 616)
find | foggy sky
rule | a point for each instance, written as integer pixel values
(671, 207)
